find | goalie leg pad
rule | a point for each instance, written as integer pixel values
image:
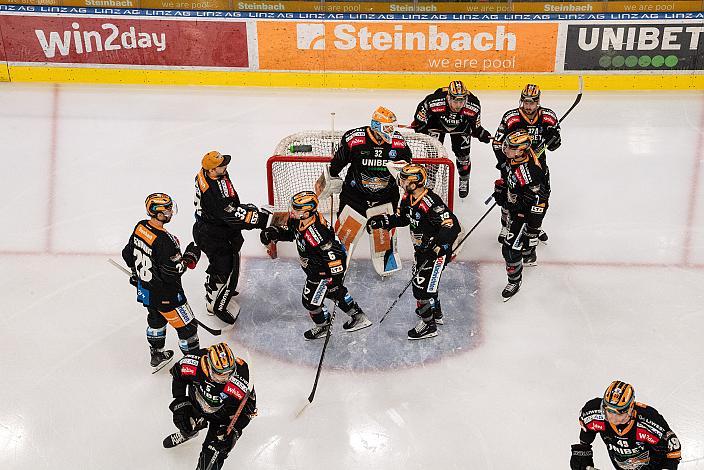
(383, 244)
(349, 226)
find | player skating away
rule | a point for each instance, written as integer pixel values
(211, 387)
(637, 437)
(456, 111)
(220, 219)
(323, 259)
(369, 187)
(434, 229)
(541, 125)
(523, 193)
(154, 256)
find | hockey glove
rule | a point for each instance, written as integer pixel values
(484, 136)
(268, 235)
(380, 221)
(500, 192)
(551, 137)
(184, 415)
(582, 457)
(191, 256)
(134, 280)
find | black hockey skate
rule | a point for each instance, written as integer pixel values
(175, 439)
(160, 359)
(464, 186)
(358, 321)
(510, 290)
(318, 331)
(530, 259)
(423, 330)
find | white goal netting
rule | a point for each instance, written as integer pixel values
(299, 160)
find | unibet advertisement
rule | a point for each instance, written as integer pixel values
(407, 47)
(660, 47)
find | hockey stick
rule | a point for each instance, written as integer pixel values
(559, 121)
(327, 338)
(212, 331)
(230, 426)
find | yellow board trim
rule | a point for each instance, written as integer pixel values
(14, 73)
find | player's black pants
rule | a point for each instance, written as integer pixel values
(427, 271)
(516, 245)
(360, 202)
(222, 248)
(181, 318)
(318, 289)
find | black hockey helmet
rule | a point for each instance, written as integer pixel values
(218, 363)
(304, 201)
(413, 173)
(157, 203)
(530, 93)
(619, 398)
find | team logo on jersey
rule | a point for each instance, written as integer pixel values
(392, 153)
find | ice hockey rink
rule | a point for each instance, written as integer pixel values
(617, 294)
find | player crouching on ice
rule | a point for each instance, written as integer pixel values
(211, 389)
(323, 259)
(434, 229)
(369, 188)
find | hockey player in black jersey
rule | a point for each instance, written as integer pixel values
(211, 389)
(369, 188)
(637, 437)
(434, 229)
(220, 219)
(323, 259)
(523, 193)
(541, 125)
(154, 256)
(456, 111)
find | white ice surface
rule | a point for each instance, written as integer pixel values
(618, 293)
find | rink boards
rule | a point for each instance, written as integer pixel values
(343, 50)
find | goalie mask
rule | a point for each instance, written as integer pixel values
(302, 203)
(412, 174)
(457, 96)
(218, 363)
(384, 123)
(160, 203)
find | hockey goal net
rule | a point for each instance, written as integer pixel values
(299, 160)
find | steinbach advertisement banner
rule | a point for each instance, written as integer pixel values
(407, 46)
(133, 41)
(630, 47)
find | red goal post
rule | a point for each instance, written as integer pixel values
(299, 161)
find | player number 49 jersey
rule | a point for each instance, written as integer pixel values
(645, 440)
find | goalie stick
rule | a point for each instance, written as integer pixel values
(212, 331)
(559, 121)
